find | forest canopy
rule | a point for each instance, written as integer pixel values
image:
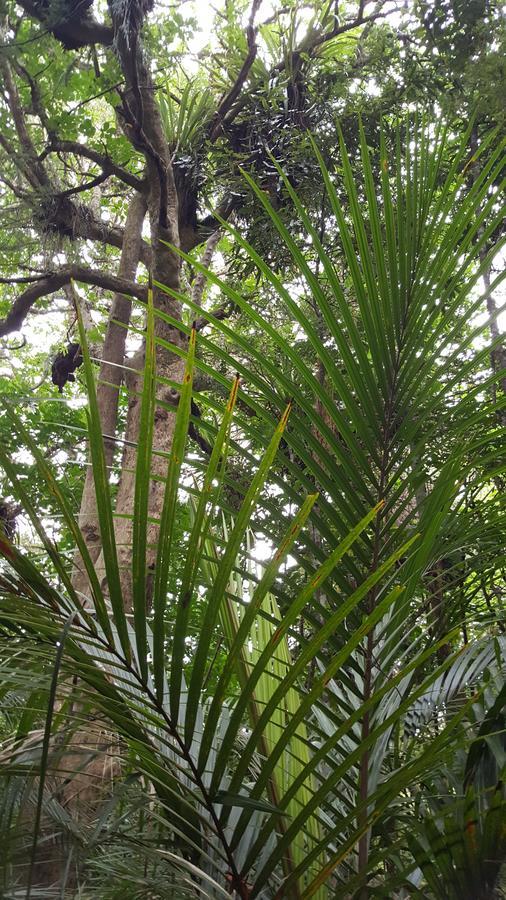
(252, 431)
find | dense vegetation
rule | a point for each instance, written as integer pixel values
(252, 577)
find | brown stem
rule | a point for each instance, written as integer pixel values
(228, 101)
(363, 785)
(308, 47)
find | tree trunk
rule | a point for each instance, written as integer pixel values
(143, 126)
(166, 271)
(89, 752)
(498, 354)
(110, 378)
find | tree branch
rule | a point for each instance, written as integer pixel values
(37, 104)
(228, 101)
(227, 111)
(199, 284)
(101, 159)
(56, 280)
(218, 314)
(310, 46)
(98, 231)
(75, 31)
(87, 186)
(32, 167)
(26, 279)
(71, 219)
(140, 114)
(65, 217)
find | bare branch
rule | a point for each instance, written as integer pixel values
(207, 258)
(218, 314)
(87, 186)
(27, 279)
(12, 347)
(101, 159)
(31, 165)
(37, 104)
(56, 280)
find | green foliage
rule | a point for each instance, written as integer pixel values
(306, 697)
(284, 726)
(459, 839)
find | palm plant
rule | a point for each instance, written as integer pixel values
(458, 840)
(283, 778)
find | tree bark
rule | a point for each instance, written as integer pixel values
(143, 125)
(110, 379)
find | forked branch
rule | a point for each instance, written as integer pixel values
(56, 280)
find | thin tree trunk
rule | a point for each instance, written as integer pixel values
(168, 366)
(198, 286)
(498, 354)
(144, 128)
(163, 432)
(110, 378)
